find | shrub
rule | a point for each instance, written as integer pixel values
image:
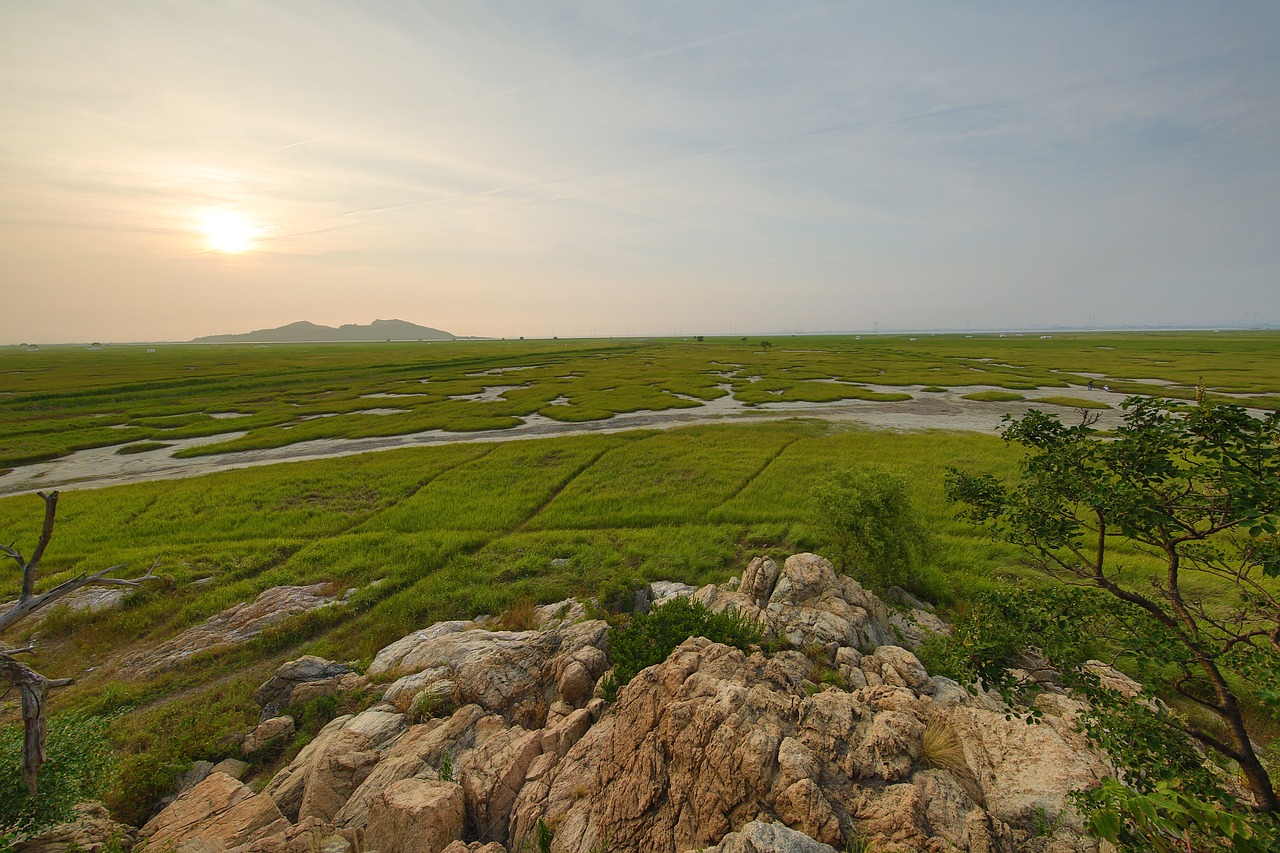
(649, 638)
(873, 525)
(77, 768)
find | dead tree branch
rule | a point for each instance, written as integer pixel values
(34, 687)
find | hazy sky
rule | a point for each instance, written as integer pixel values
(555, 168)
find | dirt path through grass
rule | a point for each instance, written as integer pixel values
(945, 411)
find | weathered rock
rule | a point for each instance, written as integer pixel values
(758, 837)
(474, 847)
(1111, 678)
(324, 677)
(267, 732)
(194, 775)
(417, 753)
(711, 747)
(218, 810)
(91, 831)
(233, 767)
(569, 610)
(805, 603)
(713, 739)
(305, 691)
(232, 626)
(320, 779)
(415, 816)
(505, 672)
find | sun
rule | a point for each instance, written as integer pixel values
(228, 231)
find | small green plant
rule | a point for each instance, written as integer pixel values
(430, 704)
(649, 638)
(78, 766)
(618, 595)
(874, 526)
(859, 844)
(445, 770)
(542, 836)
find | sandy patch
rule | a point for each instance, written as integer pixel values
(489, 394)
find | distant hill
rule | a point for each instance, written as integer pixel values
(303, 331)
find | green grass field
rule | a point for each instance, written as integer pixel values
(458, 530)
(62, 399)
(441, 532)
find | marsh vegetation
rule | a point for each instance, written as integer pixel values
(423, 534)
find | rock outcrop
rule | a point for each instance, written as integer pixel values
(234, 625)
(487, 739)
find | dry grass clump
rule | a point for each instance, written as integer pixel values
(943, 750)
(521, 616)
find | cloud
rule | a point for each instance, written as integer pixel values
(830, 160)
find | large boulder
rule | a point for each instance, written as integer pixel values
(805, 602)
(415, 816)
(298, 681)
(323, 776)
(219, 811)
(517, 674)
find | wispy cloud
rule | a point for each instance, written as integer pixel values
(730, 162)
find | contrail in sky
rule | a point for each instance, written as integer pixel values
(559, 78)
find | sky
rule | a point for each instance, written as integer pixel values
(507, 168)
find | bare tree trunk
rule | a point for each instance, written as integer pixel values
(33, 686)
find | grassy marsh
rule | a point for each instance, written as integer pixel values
(457, 530)
(62, 399)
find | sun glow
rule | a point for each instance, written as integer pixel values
(227, 231)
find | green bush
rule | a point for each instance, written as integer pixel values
(873, 526)
(649, 638)
(77, 768)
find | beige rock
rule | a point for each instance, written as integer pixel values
(760, 837)
(517, 674)
(1023, 768)
(275, 693)
(417, 753)
(415, 816)
(1113, 679)
(219, 810)
(233, 767)
(711, 747)
(335, 772)
(232, 626)
(274, 729)
(90, 831)
(305, 691)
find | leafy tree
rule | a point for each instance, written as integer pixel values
(873, 524)
(1172, 521)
